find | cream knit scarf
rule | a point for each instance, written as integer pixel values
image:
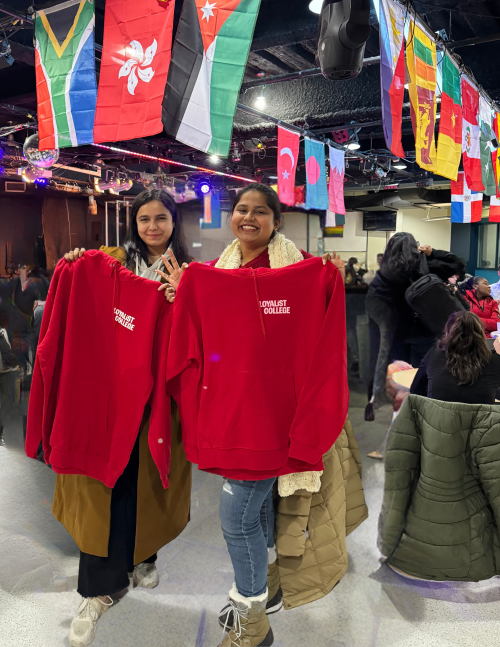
(282, 252)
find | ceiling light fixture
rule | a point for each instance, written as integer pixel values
(260, 102)
(315, 6)
(214, 159)
(400, 165)
(354, 145)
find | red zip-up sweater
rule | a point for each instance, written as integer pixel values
(257, 364)
(101, 358)
(486, 310)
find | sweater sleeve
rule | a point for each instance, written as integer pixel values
(325, 395)
(420, 381)
(490, 324)
(38, 424)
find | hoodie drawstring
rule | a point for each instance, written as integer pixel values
(262, 323)
(114, 273)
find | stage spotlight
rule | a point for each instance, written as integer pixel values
(205, 187)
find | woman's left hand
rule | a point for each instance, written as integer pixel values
(427, 249)
(336, 260)
(175, 272)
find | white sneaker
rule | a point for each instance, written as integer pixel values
(146, 575)
(84, 626)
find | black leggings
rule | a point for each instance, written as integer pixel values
(109, 575)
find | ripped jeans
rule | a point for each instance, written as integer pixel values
(247, 518)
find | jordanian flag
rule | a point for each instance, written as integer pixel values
(449, 149)
(65, 74)
(208, 62)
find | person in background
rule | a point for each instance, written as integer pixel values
(392, 328)
(351, 274)
(495, 288)
(460, 367)
(379, 259)
(478, 294)
(119, 530)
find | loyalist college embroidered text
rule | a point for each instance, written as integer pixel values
(125, 320)
(275, 307)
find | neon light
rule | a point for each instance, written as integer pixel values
(175, 163)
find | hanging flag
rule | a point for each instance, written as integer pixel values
(494, 209)
(65, 74)
(334, 219)
(317, 191)
(336, 184)
(211, 211)
(288, 155)
(208, 62)
(466, 205)
(449, 149)
(422, 62)
(392, 72)
(134, 68)
(470, 136)
(496, 151)
(485, 147)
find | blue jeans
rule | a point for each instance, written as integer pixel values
(247, 518)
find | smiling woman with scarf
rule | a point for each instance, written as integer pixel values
(120, 530)
(246, 507)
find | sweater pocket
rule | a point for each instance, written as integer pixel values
(81, 418)
(254, 410)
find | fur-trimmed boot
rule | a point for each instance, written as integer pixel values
(250, 623)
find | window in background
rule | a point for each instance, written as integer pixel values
(487, 251)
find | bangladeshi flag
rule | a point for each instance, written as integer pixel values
(134, 67)
(208, 63)
(449, 148)
(470, 137)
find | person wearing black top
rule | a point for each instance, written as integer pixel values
(460, 367)
(390, 316)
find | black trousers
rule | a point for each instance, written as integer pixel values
(108, 575)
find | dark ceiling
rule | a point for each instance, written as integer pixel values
(284, 43)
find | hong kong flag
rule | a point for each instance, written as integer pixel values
(288, 153)
(134, 68)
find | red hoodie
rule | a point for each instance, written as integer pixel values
(257, 364)
(101, 358)
(486, 310)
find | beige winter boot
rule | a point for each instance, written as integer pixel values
(250, 625)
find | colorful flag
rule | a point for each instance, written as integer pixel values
(496, 151)
(65, 74)
(494, 209)
(470, 136)
(211, 211)
(466, 205)
(336, 184)
(449, 149)
(208, 63)
(485, 146)
(334, 219)
(317, 191)
(288, 155)
(421, 60)
(392, 72)
(134, 68)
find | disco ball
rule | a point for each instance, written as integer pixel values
(38, 158)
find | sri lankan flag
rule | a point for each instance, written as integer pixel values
(208, 62)
(421, 61)
(65, 74)
(449, 149)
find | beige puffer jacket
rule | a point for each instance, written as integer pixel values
(310, 566)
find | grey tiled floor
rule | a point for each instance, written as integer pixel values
(370, 607)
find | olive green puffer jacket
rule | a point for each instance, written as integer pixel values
(441, 508)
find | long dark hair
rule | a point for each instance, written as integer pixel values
(273, 202)
(464, 343)
(134, 245)
(401, 255)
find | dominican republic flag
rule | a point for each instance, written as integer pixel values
(392, 72)
(336, 184)
(134, 67)
(66, 85)
(466, 205)
(494, 209)
(470, 136)
(288, 156)
(208, 62)
(317, 190)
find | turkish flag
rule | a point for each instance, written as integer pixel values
(134, 67)
(288, 155)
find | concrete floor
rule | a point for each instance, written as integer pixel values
(370, 607)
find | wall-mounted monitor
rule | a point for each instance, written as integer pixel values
(379, 220)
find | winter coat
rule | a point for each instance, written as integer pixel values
(312, 528)
(441, 506)
(486, 310)
(83, 504)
